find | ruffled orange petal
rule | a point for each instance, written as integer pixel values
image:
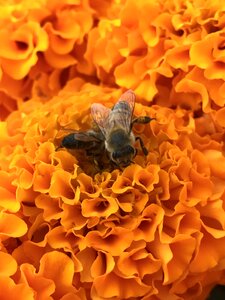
(28, 252)
(99, 207)
(72, 217)
(137, 261)
(209, 250)
(59, 238)
(8, 264)
(103, 264)
(7, 190)
(11, 226)
(151, 217)
(121, 185)
(111, 285)
(174, 259)
(114, 241)
(10, 290)
(220, 116)
(61, 186)
(58, 267)
(86, 257)
(38, 230)
(42, 286)
(87, 186)
(20, 51)
(200, 52)
(51, 207)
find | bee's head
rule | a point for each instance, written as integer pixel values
(123, 157)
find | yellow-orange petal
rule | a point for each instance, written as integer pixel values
(8, 264)
(10, 290)
(99, 207)
(175, 259)
(38, 231)
(59, 61)
(115, 241)
(201, 51)
(59, 238)
(11, 226)
(137, 261)
(16, 61)
(121, 185)
(72, 296)
(87, 186)
(195, 88)
(28, 252)
(146, 178)
(86, 257)
(8, 199)
(209, 252)
(50, 206)
(178, 57)
(103, 264)
(113, 286)
(72, 217)
(58, 267)
(126, 68)
(61, 186)
(216, 161)
(42, 286)
(220, 116)
(148, 222)
(215, 71)
(42, 177)
(213, 218)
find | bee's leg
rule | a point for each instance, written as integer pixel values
(145, 151)
(97, 156)
(141, 120)
(97, 163)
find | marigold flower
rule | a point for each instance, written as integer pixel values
(73, 229)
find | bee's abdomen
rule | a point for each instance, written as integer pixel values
(70, 142)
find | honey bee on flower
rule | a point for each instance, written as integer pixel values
(114, 133)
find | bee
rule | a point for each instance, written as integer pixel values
(116, 127)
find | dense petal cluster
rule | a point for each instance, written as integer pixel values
(154, 230)
(146, 231)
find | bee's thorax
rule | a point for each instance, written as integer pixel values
(118, 139)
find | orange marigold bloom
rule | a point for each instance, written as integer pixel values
(152, 230)
(150, 223)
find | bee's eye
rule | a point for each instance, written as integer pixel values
(123, 152)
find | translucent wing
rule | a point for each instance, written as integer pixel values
(85, 136)
(129, 97)
(88, 136)
(100, 114)
(122, 112)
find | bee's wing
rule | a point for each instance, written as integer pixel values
(88, 136)
(129, 97)
(123, 110)
(100, 114)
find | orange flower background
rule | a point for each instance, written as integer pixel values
(154, 230)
